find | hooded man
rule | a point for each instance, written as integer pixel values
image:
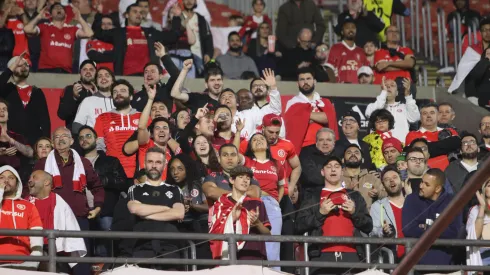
(23, 216)
(307, 112)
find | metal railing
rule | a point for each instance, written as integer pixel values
(52, 258)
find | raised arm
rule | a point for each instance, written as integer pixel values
(274, 95)
(143, 134)
(31, 27)
(177, 88)
(86, 31)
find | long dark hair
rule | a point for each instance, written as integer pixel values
(191, 175)
(213, 158)
(250, 154)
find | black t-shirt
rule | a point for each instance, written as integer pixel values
(415, 184)
(223, 181)
(164, 195)
(197, 100)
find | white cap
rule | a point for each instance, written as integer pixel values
(365, 70)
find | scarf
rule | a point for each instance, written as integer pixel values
(45, 207)
(384, 135)
(222, 223)
(79, 180)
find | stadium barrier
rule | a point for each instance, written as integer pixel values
(52, 258)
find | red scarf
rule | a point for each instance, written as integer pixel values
(45, 207)
(220, 224)
(384, 135)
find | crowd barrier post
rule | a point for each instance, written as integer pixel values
(402, 29)
(440, 30)
(455, 41)
(307, 258)
(52, 252)
(331, 33)
(429, 30)
(412, 23)
(444, 39)
(192, 247)
(424, 30)
(368, 253)
(417, 24)
(232, 250)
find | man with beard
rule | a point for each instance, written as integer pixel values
(101, 101)
(57, 38)
(345, 57)
(113, 179)
(113, 128)
(235, 62)
(133, 44)
(73, 175)
(99, 51)
(323, 72)
(156, 135)
(485, 133)
(351, 122)
(441, 142)
(213, 77)
(152, 206)
(458, 170)
(416, 167)
(394, 61)
(359, 179)
(224, 134)
(229, 99)
(73, 95)
(153, 74)
(262, 88)
(27, 108)
(387, 212)
(307, 112)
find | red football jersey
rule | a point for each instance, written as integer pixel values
(267, 175)
(21, 44)
(384, 55)
(102, 47)
(116, 129)
(137, 54)
(18, 214)
(56, 46)
(345, 61)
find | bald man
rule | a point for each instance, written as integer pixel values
(421, 210)
(55, 213)
(298, 57)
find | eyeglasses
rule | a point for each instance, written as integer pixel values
(86, 136)
(62, 136)
(468, 143)
(486, 124)
(262, 86)
(349, 120)
(423, 148)
(379, 121)
(417, 160)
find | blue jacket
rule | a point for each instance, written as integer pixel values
(417, 211)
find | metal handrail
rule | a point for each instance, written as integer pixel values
(417, 24)
(429, 30)
(440, 30)
(52, 258)
(424, 29)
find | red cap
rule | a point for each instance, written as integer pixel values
(392, 142)
(271, 120)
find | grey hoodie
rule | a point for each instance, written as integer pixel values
(90, 108)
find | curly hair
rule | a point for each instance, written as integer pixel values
(381, 114)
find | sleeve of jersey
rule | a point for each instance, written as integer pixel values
(263, 216)
(178, 198)
(243, 146)
(377, 56)
(407, 51)
(291, 151)
(332, 58)
(99, 126)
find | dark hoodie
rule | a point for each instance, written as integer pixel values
(480, 76)
(467, 17)
(417, 211)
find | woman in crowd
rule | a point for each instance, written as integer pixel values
(207, 160)
(183, 173)
(42, 148)
(182, 118)
(259, 49)
(381, 122)
(478, 228)
(270, 176)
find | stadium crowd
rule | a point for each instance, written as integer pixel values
(167, 159)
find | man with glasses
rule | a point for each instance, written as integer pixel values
(73, 175)
(298, 57)
(234, 63)
(112, 176)
(351, 122)
(485, 134)
(27, 108)
(458, 170)
(392, 60)
(416, 167)
(387, 212)
(323, 72)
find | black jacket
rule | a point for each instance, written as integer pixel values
(7, 44)
(117, 37)
(310, 220)
(113, 179)
(312, 161)
(292, 58)
(368, 26)
(342, 143)
(480, 75)
(32, 121)
(67, 110)
(163, 92)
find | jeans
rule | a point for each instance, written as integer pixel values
(178, 57)
(103, 247)
(275, 218)
(84, 268)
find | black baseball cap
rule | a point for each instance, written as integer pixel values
(353, 114)
(88, 61)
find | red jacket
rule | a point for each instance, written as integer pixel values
(249, 26)
(76, 200)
